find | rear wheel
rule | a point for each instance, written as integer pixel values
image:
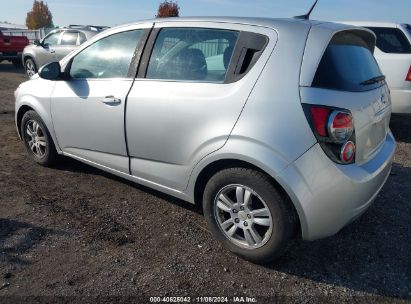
(37, 139)
(30, 67)
(248, 215)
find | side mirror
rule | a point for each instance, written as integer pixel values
(36, 42)
(51, 71)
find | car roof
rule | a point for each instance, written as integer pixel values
(256, 21)
(85, 29)
(274, 23)
(372, 23)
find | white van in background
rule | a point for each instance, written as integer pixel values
(393, 53)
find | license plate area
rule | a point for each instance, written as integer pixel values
(377, 134)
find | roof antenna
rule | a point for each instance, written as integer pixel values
(307, 16)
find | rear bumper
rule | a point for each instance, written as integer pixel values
(401, 101)
(328, 196)
(10, 55)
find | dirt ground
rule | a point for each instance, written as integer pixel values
(76, 231)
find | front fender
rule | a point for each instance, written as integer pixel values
(28, 53)
(40, 103)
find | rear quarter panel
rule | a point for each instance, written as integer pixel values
(272, 130)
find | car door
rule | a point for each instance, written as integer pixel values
(88, 107)
(189, 94)
(69, 41)
(45, 52)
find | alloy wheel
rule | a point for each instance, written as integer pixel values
(36, 138)
(243, 216)
(30, 69)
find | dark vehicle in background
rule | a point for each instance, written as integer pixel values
(56, 45)
(11, 48)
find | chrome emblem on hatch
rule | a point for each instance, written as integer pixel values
(380, 104)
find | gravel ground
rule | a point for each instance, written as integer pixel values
(76, 231)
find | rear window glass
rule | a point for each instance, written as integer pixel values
(346, 65)
(391, 40)
(408, 28)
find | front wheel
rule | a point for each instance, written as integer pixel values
(245, 211)
(30, 67)
(37, 139)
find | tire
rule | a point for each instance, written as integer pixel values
(30, 67)
(281, 216)
(39, 144)
(17, 63)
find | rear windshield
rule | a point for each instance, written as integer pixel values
(408, 28)
(346, 65)
(392, 40)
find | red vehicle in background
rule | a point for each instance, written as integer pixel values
(11, 48)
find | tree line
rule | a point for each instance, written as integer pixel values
(40, 15)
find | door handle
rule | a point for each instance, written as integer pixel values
(52, 51)
(111, 100)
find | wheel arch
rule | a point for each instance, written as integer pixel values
(29, 56)
(212, 168)
(19, 117)
(24, 108)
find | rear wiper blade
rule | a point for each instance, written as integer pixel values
(373, 80)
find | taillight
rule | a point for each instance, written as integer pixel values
(334, 129)
(340, 126)
(320, 116)
(347, 152)
(408, 78)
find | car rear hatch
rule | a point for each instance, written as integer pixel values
(340, 78)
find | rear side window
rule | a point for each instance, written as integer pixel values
(391, 40)
(408, 28)
(192, 54)
(347, 65)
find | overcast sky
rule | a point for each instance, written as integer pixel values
(111, 12)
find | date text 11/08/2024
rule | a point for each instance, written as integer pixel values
(235, 299)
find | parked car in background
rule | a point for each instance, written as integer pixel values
(11, 48)
(279, 128)
(393, 54)
(55, 46)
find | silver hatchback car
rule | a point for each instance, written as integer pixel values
(55, 46)
(279, 128)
